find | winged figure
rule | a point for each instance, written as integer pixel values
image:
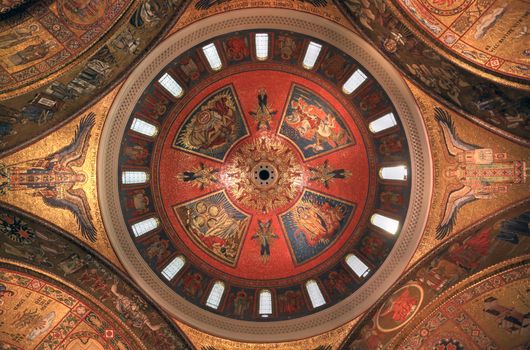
(74, 153)
(480, 171)
(74, 200)
(264, 112)
(465, 194)
(53, 178)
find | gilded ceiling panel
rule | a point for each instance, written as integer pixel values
(492, 312)
(499, 102)
(55, 178)
(50, 35)
(467, 162)
(492, 34)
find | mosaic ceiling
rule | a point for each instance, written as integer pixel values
(426, 309)
(263, 176)
(475, 61)
(216, 198)
(57, 294)
(491, 34)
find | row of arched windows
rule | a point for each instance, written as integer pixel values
(265, 305)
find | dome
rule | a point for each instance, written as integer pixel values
(265, 177)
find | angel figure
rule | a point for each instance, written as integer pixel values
(54, 179)
(480, 171)
(317, 223)
(264, 112)
(265, 237)
(325, 174)
(202, 176)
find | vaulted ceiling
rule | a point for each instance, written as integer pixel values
(113, 176)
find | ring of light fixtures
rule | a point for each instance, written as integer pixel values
(411, 120)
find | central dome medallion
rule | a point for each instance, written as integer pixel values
(261, 174)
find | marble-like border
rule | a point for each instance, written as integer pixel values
(421, 168)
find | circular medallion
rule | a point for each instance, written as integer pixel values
(263, 174)
(399, 308)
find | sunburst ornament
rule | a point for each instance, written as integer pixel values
(264, 174)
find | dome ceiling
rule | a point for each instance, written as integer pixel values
(188, 139)
(262, 177)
